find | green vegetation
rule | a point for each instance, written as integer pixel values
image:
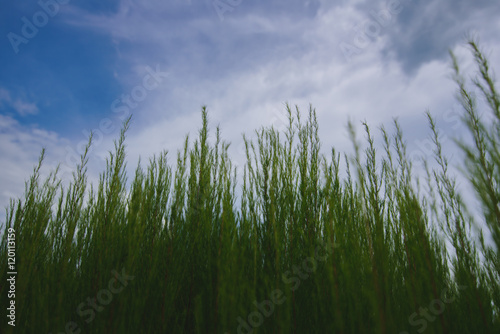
(302, 250)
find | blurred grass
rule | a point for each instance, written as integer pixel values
(304, 251)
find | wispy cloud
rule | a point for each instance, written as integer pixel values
(20, 106)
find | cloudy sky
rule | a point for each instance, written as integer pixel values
(71, 66)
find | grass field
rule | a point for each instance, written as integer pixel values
(302, 250)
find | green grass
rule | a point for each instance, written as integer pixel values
(302, 250)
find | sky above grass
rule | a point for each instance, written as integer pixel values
(71, 67)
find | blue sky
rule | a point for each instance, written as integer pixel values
(70, 66)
